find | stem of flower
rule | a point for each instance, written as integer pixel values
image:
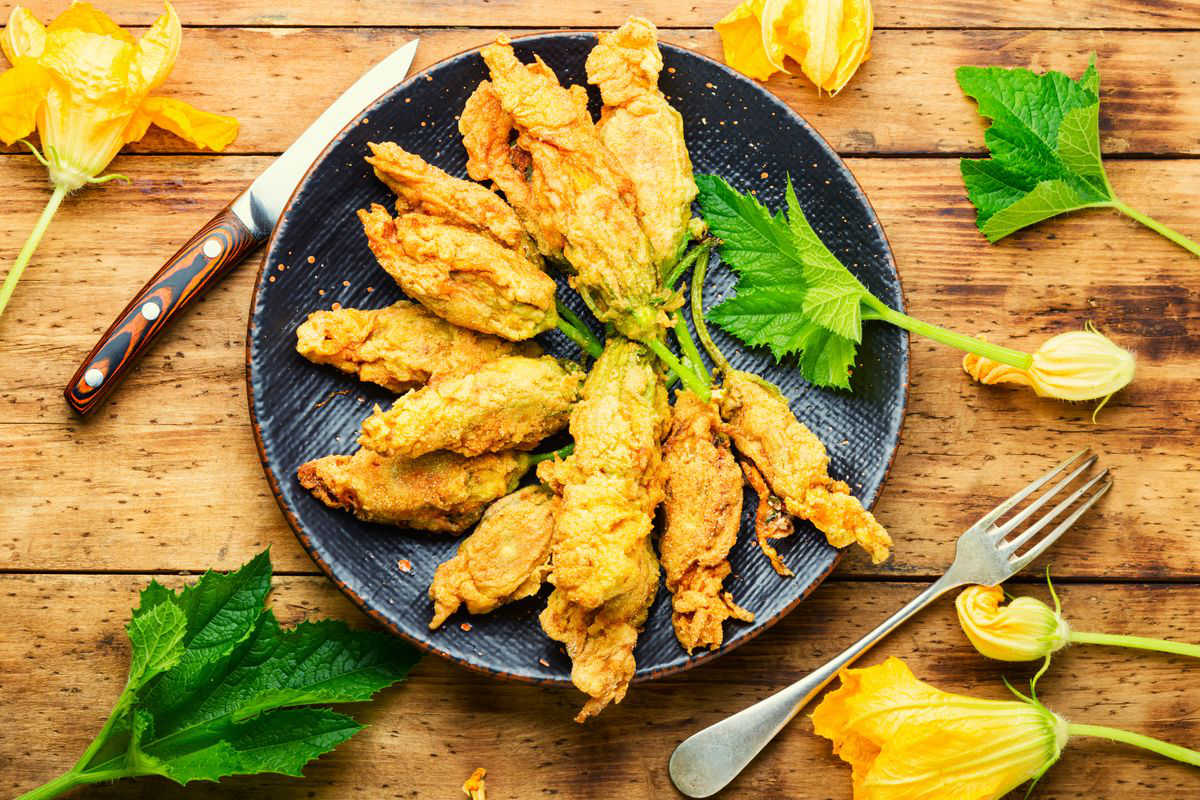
(690, 379)
(31, 244)
(66, 782)
(697, 299)
(1156, 226)
(688, 345)
(1139, 642)
(562, 452)
(877, 309)
(586, 341)
(1137, 740)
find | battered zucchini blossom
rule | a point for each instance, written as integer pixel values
(441, 491)
(512, 402)
(399, 347)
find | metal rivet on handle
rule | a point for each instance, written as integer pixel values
(212, 247)
(93, 377)
(151, 310)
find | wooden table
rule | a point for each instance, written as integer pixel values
(165, 480)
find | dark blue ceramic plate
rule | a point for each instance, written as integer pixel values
(300, 411)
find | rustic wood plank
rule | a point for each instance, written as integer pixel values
(1148, 14)
(65, 657)
(183, 489)
(1151, 96)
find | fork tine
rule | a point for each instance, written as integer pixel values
(1027, 512)
(1011, 545)
(1019, 564)
(1004, 507)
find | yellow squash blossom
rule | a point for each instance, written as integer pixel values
(829, 39)
(1028, 629)
(1080, 365)
(476, 785)
(907, 740)
(1024, 630)
(84, 83)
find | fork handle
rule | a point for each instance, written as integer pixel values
(708, 760)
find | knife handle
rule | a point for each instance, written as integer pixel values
(218, 246)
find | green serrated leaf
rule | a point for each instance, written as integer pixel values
(156, 639)
(1045, 147)
(752, 239)
(280, 741)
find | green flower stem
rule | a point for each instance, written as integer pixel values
(65, 783)
(1137, 740)
(697, 299)
(1140, 642)
(684, 264)
(561, 452)
(587, 343)
(688, 345)
(31, 244)
(1156, 226)
(877, 309)
(690, 379)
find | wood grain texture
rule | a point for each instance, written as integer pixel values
(65, 656)
(1146, 14)
(904, 100)
(183, 488)
(166, 479)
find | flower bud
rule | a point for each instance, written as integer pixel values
(1080, 365)
(1024, 630)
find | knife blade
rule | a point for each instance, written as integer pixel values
(223, 242)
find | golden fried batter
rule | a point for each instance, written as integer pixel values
(613, 481)
(703, 511)
(505, 559)
(600, 641)
(573, 194)
(399, 347)
(794, 463)
(421, 187)
(513, 402)
(645, 133)
(440, 491)
(771, 520)
(462, 275)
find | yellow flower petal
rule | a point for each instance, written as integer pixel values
(1024, 630)
(907, 740)
(158, 49)
(92, 67)
(89, 19)
(22, 90)
(741, 37)
(201, 128)
(23, 36)
(829, 39)
(139, 123)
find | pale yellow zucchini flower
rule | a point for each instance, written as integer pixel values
(907, 740)
(84, 83)
(1077, 366)
(829, 39)
(1024, 630)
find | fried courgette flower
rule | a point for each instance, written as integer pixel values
(645, 133)
(513, 402)
(399, 347)
(569, 189)
(84, 83)
(795, 465)
(703, 514)
(442, 492)
(505, 559)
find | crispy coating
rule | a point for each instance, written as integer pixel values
(462, 275)
(794, 463)
(600, 641)
(505, 559)
(703, 513)
(771, 520)
(399, 347)
(568, 187)
(513, 402)
(423, 188)
(645, 133)
(612, 483)
(441, 492)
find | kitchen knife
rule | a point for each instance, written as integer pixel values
(222, 243)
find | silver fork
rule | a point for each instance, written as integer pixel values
(707, 761)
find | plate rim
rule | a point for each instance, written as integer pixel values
(360, 602)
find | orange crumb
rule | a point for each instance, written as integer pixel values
(543, 662)
(271, 279)
(311, 260)
(345, 283)
(336, 306)
(321, 292)
(370, 288)
(405, 565)
(466, 626)
(281, 267)
(763, 176)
